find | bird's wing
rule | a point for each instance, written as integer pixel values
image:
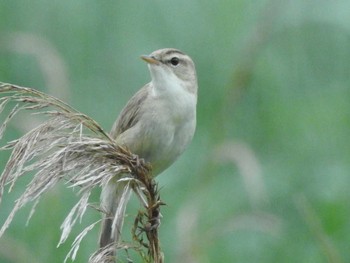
(130, 114)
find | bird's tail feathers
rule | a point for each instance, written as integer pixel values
(114, 198)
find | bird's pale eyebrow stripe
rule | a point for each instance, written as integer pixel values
(173, 52)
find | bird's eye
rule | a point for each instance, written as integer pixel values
(174, 61)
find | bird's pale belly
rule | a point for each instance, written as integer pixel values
(162, 145)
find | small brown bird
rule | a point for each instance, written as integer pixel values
(157, 124)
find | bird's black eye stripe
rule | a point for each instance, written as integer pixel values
(174, 61)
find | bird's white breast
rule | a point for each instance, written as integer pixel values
(173, 117)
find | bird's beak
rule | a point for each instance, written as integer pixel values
(149, 59)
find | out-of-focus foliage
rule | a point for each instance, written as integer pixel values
(266, 178)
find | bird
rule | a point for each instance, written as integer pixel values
(157, 124)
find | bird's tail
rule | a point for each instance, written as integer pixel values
(114, 198)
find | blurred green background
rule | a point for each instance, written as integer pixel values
(266, 178)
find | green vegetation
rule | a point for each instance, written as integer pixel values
(266, 178)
